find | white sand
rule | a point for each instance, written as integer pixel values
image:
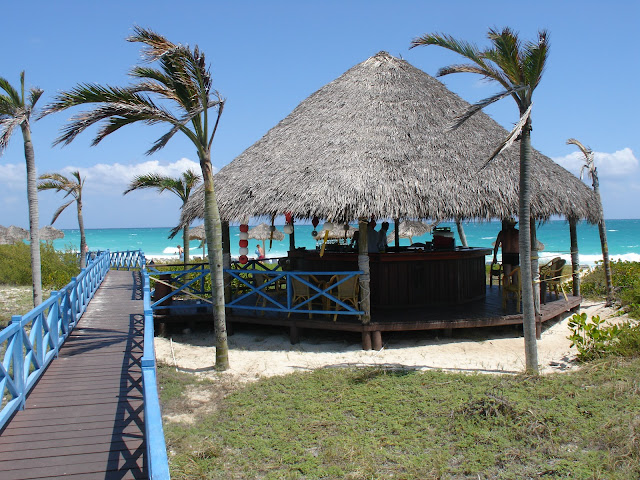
(261, 352)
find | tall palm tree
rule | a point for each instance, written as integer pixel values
(182, 86)
(518, 69)
(592, 171)
(16, 110)
(73, 188)
(181, 186)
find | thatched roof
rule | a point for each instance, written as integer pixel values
(12, 234)
(49, 233)
(376, 141)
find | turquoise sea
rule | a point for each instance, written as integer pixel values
(623, 237)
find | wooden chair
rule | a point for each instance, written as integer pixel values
(495, 271)
(512, 283)
(301, 291)
(347, 291)
(551, 278)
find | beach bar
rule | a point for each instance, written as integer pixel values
(376, 143)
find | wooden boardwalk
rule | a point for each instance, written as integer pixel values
(84, 418)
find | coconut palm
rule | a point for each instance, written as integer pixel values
(592, 171)
(15, 110)
(182, 90)
(71, 187)
(181, 186)
(518, 68)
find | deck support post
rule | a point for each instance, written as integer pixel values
(575, 258)
(396, 233)
(294, 334)
(292, 237)
(226, 260)
(363, 264)
(538, 327)
(376, 340)
(366, 340)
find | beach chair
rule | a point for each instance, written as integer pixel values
(495, 271)
(302, 291)
(551, 278)
(347, 291)
(512, 284)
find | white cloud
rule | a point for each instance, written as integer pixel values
(116, 177)
(618, 164)
(13, 176)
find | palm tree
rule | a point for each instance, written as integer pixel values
(16, 111)
(182, 87)
(60, 183)
(518, 69)
(592, 171)
(181, 186)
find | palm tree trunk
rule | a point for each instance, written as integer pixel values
(83, 239)
(213, 229)
(32, 197)
(602, 229)
(185, 245)
(528, 308)
(575, 258)
(535, 269)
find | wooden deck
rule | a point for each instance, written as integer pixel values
(484, 312)
(84, 418)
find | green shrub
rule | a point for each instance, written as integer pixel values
(625, 277)
(57, 267)
(594, 340)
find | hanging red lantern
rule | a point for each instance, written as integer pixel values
(288, 217)
(243, 259)
(244, 227)
(315, 222)
(244, 243)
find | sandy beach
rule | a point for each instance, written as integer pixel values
(257, 352)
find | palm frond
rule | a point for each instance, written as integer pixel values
(156, 44)
(506, 53)
(476, 107)
(515, 133)
(535, 59)
(7, 127)
(12, 93)
(60, 209)
(34, 96)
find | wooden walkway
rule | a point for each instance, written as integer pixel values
(84, 418)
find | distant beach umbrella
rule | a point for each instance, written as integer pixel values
(411, 228)
(12, 234)
(338, 231)
(49, 234)
(198, 233)
(263, 232)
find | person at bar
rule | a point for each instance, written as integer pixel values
(382, 237)
(508, 239)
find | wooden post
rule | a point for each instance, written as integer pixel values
(292, 237)
(463, 237)
(396, 232)
(376, 340)
(365, 278)
(575, 257)
(366, 340)
(294, 334)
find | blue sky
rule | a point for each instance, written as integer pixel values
(266, 57)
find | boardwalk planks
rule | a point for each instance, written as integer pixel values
(84, 418)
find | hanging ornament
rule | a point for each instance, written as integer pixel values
(243, 244)
(288, 229)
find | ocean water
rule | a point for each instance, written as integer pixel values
(623, 238)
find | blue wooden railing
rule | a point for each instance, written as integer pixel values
(157, 461)
(257, 288)
(31, 341)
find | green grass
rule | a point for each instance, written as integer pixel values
(382, 424)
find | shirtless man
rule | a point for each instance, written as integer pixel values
(508, 239)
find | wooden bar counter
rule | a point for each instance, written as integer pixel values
(409, 277)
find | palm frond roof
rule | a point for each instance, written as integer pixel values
(376, 142)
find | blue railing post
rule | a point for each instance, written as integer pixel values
(54, 323)
(18, 362)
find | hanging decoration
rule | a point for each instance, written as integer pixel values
(272, 229)
(288, 228)
(244, 244)
(327, 227)
(315, 221)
